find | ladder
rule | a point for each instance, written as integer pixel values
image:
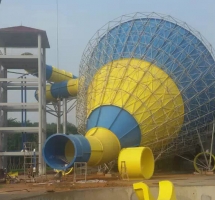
(124, 173)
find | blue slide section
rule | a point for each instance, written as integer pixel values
(119, 122)
(54, 151)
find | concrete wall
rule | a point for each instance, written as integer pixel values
(183, 193)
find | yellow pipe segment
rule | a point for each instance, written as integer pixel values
(166, 191)
(59, 75)
(139, 162)
(142, 191)
(49, 97)
(104, 144)
(69, 151)
(72, 87)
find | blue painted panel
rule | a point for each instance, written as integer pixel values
(48, 72)
(59, 90)
(119, 121)
(54, 150)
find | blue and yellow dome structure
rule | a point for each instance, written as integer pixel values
(146, 80)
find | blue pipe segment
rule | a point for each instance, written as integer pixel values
(53, 72)
(60, 90)
(56, 154)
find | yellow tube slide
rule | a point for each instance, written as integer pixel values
(104, 144)
(59, 75)
(139, 162)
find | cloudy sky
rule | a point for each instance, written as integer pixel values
(79, 20)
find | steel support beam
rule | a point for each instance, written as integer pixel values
(3, 118)
(15, 153)
(18, 129)
(43, 165)
(18, 80)
(21, 84)
(58, 116)
(41, 101)
(64, 115)
(19, 88)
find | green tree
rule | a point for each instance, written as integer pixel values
(14, 141)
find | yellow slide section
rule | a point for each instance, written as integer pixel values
(139, 162)
(59, 75)
(142, 191)
(104, 144)
(166, 191)
(72, 87)
(49, 97)
(145, 91)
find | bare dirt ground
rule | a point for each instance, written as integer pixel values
(50, 183)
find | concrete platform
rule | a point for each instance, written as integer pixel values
(187, 187)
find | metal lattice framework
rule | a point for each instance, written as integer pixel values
(174, 47)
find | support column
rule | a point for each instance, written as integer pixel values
(3, 118)
(64, 115)
(44, 105)
(58, 116)
(41, 106)
(44, 92)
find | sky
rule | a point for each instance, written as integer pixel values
(79, 20)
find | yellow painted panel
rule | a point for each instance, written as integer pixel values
(104, 144)
(69, 151)
(59, 75)
(166, 191)
(139, 162)
(49, 97)
(145, 91)
(142, 191)
(72, 87)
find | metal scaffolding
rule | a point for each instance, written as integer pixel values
(22, 37)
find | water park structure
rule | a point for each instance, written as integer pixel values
(146, 81)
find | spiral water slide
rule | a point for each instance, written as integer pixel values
(64, 84)
(147, 80)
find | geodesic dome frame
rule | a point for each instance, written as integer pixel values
(199, 105)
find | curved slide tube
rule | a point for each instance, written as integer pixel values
(139, 162)
(64, 89)
(166, 191)
(100, 145)
(54, 74)
(65, 84)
